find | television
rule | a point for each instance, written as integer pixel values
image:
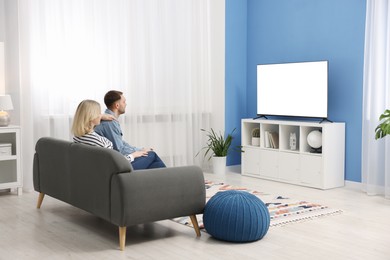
(298, 89)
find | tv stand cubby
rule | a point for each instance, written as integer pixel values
(322, 169)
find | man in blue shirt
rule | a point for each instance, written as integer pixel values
(140, 158)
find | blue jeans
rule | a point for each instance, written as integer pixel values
(148, 162)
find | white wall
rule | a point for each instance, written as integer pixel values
(11, 55)
(9, 35)
(2, 79)
(2, 34)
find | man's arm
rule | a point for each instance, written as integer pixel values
(112, 131)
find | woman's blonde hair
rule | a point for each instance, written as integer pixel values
(86, 111)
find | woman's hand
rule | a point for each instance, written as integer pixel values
(139, 153)
(108, 117)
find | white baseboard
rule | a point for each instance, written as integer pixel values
(234, 168)
(353, 185)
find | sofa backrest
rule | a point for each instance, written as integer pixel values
(78, 174)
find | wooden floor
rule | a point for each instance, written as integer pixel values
(60, 231)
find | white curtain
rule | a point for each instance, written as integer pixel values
(158, 52)
(376, 98)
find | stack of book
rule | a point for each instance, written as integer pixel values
(271, 139)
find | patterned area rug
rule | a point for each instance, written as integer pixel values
(283, 210)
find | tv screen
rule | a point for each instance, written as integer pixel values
(293, 89)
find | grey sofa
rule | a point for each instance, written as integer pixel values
(102, 182)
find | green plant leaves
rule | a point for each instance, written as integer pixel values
(383, 128)
(256, 132)
(217, 144)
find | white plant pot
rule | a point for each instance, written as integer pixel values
(219, 165)
(256, 141)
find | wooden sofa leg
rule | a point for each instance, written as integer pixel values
(195, 224)
(122, 238)
(40, 199)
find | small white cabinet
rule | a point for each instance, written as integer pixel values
(294, 161)
(10, 170)
(268, 164)
(289, 167)
(252, 160)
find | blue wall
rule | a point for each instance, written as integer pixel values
(299, 30)
(235, 72)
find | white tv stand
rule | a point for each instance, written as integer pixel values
(323, 170)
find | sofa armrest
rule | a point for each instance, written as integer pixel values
(150, 195)
(78, 174)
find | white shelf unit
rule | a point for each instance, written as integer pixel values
(301, 166)
(10, 169)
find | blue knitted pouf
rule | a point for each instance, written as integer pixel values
(236, 216)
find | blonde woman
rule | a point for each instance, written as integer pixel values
(88, 116)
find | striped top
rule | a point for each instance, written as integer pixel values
(93, 139)
(98, 140)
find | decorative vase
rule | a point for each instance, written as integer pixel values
(219, 165)
(293, 141)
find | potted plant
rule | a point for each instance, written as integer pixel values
(383, 128)
(256, 137)
(217, 147)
